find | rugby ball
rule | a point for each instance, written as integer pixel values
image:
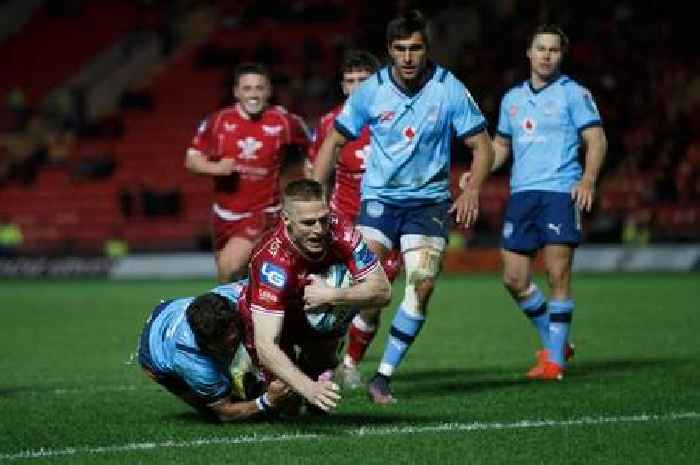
(333, 319)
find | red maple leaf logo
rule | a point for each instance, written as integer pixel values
(409, 132)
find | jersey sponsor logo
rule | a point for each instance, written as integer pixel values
(363, 256)
(273, 275)
(268, 296)
(409, 133)
(229, 127)
(529, 125)
(513, 110)
(507, 229)
(374, 209)
(248, 147)
(271, 130)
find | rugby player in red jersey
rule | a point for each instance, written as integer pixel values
(345, 202)
(242, 147)
(284, 284)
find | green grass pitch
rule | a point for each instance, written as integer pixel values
(631, 395)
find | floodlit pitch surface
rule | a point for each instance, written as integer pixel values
(631, 395)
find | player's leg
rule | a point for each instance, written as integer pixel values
(423, 241)
(521, 238)
(364, 327)
(517, 279)
(558, 260)
(560, 227)
(234, 241)
(232, 259)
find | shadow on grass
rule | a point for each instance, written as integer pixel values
(450, 381)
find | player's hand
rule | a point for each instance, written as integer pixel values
(466, 207)
(324, 394)
(464, 179)
(276, 392)
(582, 194)
(317, 293)
(226, 166)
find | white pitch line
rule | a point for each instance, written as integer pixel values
(364, 431)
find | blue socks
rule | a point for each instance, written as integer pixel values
(535, 308)
(560, 313)
(404, 329)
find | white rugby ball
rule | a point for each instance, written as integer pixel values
(333, 319)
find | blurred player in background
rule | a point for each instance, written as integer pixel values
(543, 122)
(242, 147)
(284, 281)
(413, 109)
(188, 345)
(345, 202)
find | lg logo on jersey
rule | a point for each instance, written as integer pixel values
(273, 275)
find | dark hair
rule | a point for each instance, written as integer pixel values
(210, 316)
(250, 68)
(304, 190)
(359, 60)
(550, 29)
(405, 25)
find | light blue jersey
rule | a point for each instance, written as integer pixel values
(410, 134)
(173, 349)
(544, 128)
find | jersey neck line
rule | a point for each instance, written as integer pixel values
(431, 68)
(549, 83)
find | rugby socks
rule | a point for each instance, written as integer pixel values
(360, 336)
(534, 306)
(404, 329)
(560, 313)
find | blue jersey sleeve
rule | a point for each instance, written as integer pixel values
(201, 374)
(467, 118)
(355, 112)
(504, 128)
(582, 108)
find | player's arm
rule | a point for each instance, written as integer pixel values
(327, 155)
(267, 329)
(229, 409)
(372, 291)
(501, 149)
(198, 163)
(595, 144)
(466, 207)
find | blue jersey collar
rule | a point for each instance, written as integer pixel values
(431, 68)
(551, 81)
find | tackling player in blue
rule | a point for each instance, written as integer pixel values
(543, 123)
(413, 108)
(188, 345)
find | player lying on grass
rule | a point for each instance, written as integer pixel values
(188, 345)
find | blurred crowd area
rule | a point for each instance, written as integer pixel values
(636, 58)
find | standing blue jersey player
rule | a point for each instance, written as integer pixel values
(543, 122)
(413, 108)
(188, 345)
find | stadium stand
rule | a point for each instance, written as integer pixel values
(123, 176)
